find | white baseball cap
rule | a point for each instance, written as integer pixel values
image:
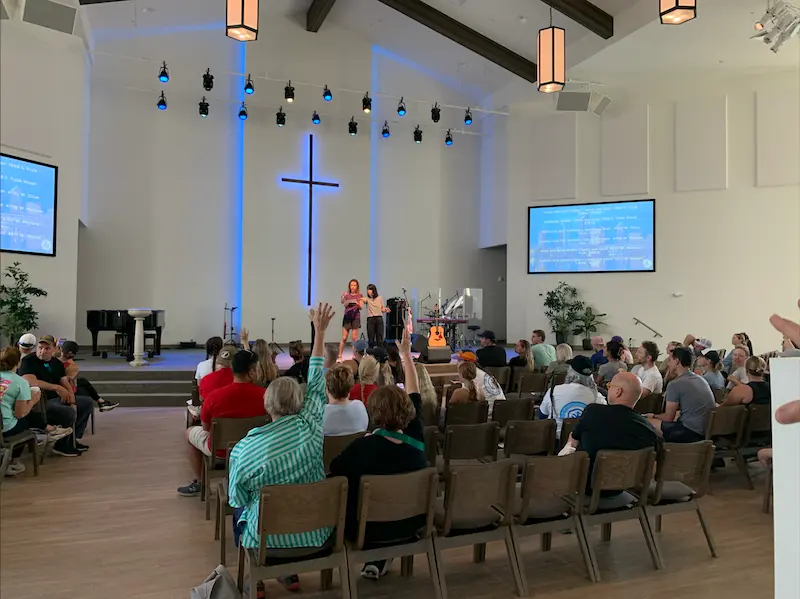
(28, 341)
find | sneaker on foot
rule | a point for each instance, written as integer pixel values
(374, 570)
(67, 452)
(58, 432)
(15, 468)
(107, 406)
(190, 490)
(80, 446)
(292, 583)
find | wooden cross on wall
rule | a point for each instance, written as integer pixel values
(311, 183)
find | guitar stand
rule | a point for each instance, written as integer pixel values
(272, 345)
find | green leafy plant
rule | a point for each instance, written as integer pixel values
(587, 323)
(562, 308)
(17, 315)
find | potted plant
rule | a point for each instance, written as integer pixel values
(561, 308)
(17, 315)
(587, 322)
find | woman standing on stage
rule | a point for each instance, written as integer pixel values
(375, 312)
(353, 301)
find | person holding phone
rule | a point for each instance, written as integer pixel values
(353, 301)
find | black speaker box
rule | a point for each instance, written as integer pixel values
(437, 355)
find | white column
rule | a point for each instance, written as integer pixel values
(139, 315)
(785, 384)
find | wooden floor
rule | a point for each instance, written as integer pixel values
(110, 525)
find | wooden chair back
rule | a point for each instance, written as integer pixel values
(397, 497)
(759, 420)
(195, 392)
(430, 435)
(477, 489)
(687, 463)
(719, 394)
(559, 378)
(554, 477)
(502, 375)
(512, 409)
(225, 431)
(297, 509)
(652, 404)
(728, 422)
(517, 372)
(535, 382)
(430, 414)
(471, 442)
(567, 426)
(333, 446)
(616, 470)
(473, 412)
(530, 437)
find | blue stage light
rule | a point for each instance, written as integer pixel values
(401, 108)
(315, 118)
(163, 74)
(326, 94)
(243, 112)
(248, 86)
(468, 118)
(448, 139)
(162, 102)
(385, 131)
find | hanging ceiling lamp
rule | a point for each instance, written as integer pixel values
(552, 58)
(675, 12)
(242, 20)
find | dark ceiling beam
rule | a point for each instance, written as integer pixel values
(587, 14)
(316, 14)
(426, 15)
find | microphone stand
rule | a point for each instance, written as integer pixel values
(272, 344)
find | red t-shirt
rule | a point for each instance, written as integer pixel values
(237, 400)
(355, 392)
(216, 380)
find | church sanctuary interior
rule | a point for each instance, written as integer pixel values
(475, 299)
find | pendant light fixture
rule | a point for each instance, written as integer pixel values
(552, 58)
(242, 20)
(675, 12)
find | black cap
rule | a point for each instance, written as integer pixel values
(581, 365)
(70, 346)
(711, 355)
(243, 361)
(488, 335)
(379, 353)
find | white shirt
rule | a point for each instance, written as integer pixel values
(487, 387)
(203, 368)
(651, 378)
(570, 400)
(739, 374)
(346, 419)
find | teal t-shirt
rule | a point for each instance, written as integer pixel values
(543, 354)
(13, 388)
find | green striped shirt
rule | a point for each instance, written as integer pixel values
(285, 452)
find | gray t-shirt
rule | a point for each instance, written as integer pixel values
(715, 379)
(345, 419)
(609, 370)
(695, 400)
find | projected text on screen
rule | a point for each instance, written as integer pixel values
(608, 237)
(27, 206)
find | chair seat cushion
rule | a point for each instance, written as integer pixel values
(542, 510)
(440, 463)
(672, 492)
(468, 521)
(612, 504)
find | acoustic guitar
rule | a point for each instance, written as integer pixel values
(436, 334)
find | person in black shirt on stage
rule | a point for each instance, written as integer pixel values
(395, 447)
(490, 354)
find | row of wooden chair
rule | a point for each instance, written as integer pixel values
(481, 503)
(738, 432)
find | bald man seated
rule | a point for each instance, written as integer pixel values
(615, 426)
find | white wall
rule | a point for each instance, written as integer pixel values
(42, 112)
(716, 240)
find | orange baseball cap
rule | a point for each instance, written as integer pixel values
(467, 356)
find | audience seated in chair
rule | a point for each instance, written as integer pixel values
(709, 366)
(343, 416)
(427, 391)
(298, 370)
(561, 363)
(27, 344)
(371, 375)
(360, 348)
(80, 385)
(395, 363)
(395, 447)
(207, 366)
(613, 426)
(688, 394)
(599, 356)
(570, 399)
(737, 340)
(645, 369)
(626, 355)
(524, 357)
(241, 399)
(222, 375)
(543, 353)
(612, 365)
(266, 369)
(490, 354)
(756, 391)
(17, 399)
(65, 408)
(331, 357)
(739, 359)
(476, 385)
(286, 451)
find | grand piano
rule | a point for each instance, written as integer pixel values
(120, 321)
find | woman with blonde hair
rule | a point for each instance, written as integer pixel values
(369, 373)
(560, 366)
(266, 370)
(343, 416)
(756, 390)
(739, 375)
(524, 357)
(426, 388)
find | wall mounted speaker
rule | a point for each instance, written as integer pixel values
(573, 101)
(50, 14)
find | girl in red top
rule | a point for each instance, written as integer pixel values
(353, 301)
(222, 374)
(371, 375)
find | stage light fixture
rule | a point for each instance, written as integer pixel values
(780, 23)
(675, 12)
(385, 131)
(280, 117)
(288, 93)
(163, 74)
(418, 135)
(467, 118)
(352, 126)
(203, 108)
(326, 94)
(448, 139)
(162, 102)
(241, 20)
(208, 80)
(436, 113)
(243, 112)
(248, 86)
(315, 118)
(552, 58)
(366, 103)
(401, 108)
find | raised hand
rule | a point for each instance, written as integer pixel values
(321, 317)
(405, 344)
(788, 327)
(244, 335)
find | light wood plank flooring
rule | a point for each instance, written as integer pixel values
(110, 525)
